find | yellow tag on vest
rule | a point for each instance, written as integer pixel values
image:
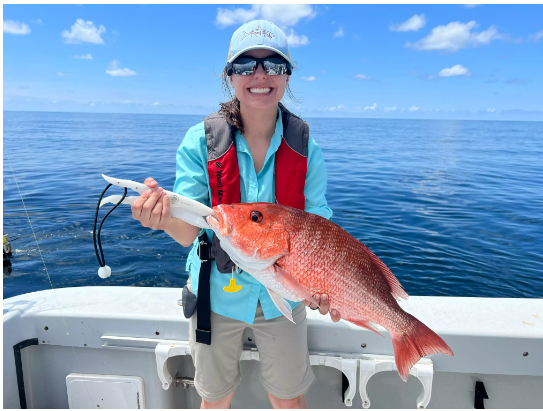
(232, 288)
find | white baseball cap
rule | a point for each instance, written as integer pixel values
(258, 34)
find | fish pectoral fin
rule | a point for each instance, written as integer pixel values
(282, 304)
(292, 283)
(365, 324)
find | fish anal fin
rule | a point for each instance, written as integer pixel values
(290, 282)
(396, 288)
(282, 304)
(365, 324)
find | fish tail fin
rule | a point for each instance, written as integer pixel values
(415, 343)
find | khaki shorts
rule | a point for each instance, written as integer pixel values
(282, 346)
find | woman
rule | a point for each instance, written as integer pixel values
(258, 69)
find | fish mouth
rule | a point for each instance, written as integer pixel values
(220, 222)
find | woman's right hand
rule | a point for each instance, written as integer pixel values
(152, 208)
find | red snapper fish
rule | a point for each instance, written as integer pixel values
(296, 254)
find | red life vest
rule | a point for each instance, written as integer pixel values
(290, 161)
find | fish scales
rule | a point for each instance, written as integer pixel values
(314, 255)
(329, 260)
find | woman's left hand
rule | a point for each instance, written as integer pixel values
(324, 306)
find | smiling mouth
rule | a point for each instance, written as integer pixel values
(260, 90)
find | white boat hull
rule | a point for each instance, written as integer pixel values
(127, 331)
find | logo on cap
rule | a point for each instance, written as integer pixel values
(256, 32)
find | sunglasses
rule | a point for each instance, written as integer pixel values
(246, 66)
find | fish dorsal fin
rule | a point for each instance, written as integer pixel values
(396, 288)
(282, 304)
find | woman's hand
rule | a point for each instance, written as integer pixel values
(324, 306)
(152, 208)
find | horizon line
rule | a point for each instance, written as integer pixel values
(204, 115)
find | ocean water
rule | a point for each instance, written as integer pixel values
(454, 208)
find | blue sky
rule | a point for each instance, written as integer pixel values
(392, 61)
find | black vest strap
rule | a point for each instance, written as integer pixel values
(203, 327)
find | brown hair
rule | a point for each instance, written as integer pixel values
(230, 109)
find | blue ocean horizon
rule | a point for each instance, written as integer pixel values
(453, 207)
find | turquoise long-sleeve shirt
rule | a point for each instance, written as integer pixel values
(192, 182)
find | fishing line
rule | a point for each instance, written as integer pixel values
(46, 271)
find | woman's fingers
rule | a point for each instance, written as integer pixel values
(156, 215)
(165, 211)
(335, 315)
(323, 304)
(310, 304)
(150, 209)
(150, 182)
(150, 204)
(137, 205)
(160, 218)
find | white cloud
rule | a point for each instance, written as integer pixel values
(363, 77)
(295, 40)
(284, 15)
(84, 56)
(491, 110)
(339, 33)
(84, 31)
(156, 104)
(455, 36)
(537, 36)
(387, 109)
(310, 78)
(371, 107)
(15, 27)
(113, 69)
(471, 6)
(228, 17)
(413, 109)
(340, 107)
(457, 70)
(60, 74)
(415, 23)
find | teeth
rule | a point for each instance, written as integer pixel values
(260, 90)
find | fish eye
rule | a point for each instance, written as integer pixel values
(256, 216)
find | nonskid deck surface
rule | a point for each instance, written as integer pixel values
(115, 331)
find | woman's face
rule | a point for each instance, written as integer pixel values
(259, 90)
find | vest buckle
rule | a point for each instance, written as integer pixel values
(203, 251)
